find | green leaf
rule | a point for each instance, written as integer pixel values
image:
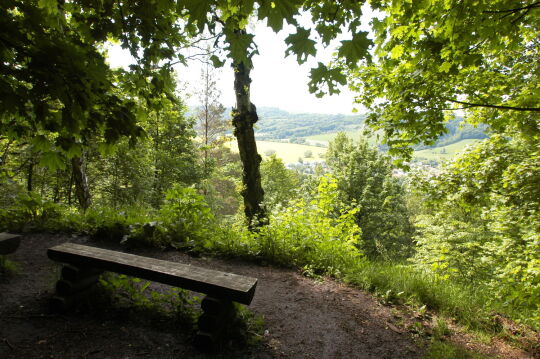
(277, 11)
(321, 76)
(355, 49)
(52, 160)
(445, 67)
(198, 12)
(216, 61)
(41, 143)
(301, 45)
(397, 51)
(239, 45)
(75, 150)
(50, 6)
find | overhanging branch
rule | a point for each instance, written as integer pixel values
(499, 107)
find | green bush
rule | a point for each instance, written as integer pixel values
(364, 177)
(321, 234)
(186, 217)
(480, 224)
(30, 211)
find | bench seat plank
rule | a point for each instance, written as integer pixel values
(9, 242)
(215, 283)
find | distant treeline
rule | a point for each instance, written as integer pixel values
(457, 131)
(279, 124)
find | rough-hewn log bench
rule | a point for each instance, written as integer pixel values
(9, 243)
(85, 263)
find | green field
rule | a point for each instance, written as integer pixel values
(291, 152)
(288, 152)
(444, 153)
(354, 134)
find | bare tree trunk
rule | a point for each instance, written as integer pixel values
(81, 182)
(70, 188)
(30, 176)
(244, 117)
(56, 189)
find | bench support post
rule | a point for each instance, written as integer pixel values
(214, 322)
(75, 284)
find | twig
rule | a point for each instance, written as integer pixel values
(5, 340)
(528, 7)
(500, 107)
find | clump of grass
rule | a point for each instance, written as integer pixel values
(401, 283)
(7, 267)
(439, 349)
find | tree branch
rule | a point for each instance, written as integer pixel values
(528, 7)
(499, 107)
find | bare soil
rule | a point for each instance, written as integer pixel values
(303, 318)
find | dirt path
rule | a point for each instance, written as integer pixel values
(303, 318)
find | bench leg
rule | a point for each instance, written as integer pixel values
(75, 285)
(213, 323)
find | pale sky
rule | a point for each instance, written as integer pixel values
(276, 81)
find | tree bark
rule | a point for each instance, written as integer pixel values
(81, 182)
(30, 176)
(244, 117)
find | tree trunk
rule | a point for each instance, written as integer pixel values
(244, 117)
(81, 182)
(70, 188)
(30, 176)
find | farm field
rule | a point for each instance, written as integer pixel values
(288, 152)
(327, 137)
(291, 152)
(444, 153)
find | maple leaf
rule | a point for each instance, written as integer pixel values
(276, 11)
(355, 49)
(322, 75)
(198, 11)
(301, 45)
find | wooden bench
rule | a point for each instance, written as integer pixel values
(9, 243)
(85, 263)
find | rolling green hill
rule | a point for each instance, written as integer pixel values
(278, 124)
(302, 128)
(443, 153)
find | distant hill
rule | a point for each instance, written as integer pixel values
(458, 131)
(275, 123)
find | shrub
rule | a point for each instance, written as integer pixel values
(320, 234)
(186, 217)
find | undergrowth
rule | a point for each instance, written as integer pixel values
(319, 236)
(440, 349)
(7, 267)
(178, 304)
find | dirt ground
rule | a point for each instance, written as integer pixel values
(303, 318)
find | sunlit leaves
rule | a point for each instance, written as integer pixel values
(301, 45)
(432, 54)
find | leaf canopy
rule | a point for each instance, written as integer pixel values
(435, 57)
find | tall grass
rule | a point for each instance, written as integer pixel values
(474, 306)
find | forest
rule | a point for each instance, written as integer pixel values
(117, 157)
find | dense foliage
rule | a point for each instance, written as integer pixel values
(433, 57)
(481, 223)
(122, 139)
(281, 185)
(365, 180)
